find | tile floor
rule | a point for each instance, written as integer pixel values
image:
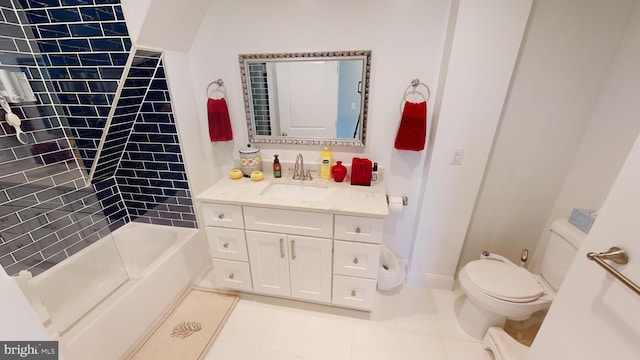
(413, 323)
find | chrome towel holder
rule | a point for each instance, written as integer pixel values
(414, 84)
(414, 89)
(220, 88)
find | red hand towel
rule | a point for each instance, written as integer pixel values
(413, 127)
(219, 121)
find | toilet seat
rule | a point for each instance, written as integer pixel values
(504, 281)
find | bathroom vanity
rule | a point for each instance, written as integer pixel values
(315, 240)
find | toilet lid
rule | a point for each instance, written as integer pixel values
(504, 281)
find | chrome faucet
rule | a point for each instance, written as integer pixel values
(298, 170)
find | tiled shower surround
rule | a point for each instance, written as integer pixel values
(74, 53)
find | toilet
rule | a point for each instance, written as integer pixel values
(497, 289)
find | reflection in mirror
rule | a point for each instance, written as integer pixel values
(317, 98)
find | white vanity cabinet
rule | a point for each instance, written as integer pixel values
(226, 237)
(319, 252)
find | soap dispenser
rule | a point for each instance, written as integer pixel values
(277, 168)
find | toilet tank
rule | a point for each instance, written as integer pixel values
(562, 247)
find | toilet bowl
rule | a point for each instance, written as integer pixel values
(496, 289)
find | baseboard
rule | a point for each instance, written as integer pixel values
(430, 280)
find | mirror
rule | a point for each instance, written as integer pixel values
(315, 98)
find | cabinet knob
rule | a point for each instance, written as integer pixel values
(355, 260)
(225, 245)
(231, 276)
(358, 230)
(353, 293)
(221, 216)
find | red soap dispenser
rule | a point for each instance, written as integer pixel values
(338, 171)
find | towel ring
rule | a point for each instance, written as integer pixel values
(220, 88)
(414, 84)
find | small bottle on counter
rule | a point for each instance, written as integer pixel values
(374, 172)
(277, 168)
(326, 158)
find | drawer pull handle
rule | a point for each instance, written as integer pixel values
(231, 276)
(225, 245)
(221, 216)
(355, 260)
(293, 249)
(358, 230)
(281, 248)
(353, 293)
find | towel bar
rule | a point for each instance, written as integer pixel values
(618, 256)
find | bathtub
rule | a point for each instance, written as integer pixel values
(160, 263)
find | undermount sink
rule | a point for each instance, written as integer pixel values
(301, 192)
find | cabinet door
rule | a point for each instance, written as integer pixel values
(268, 256)
(310, 268)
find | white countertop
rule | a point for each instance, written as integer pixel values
(340, 198)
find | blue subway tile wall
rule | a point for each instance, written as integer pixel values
(46, 212)
(151, 175)
(78, 39)
(127, 107)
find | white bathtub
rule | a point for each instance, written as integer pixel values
(160, 261)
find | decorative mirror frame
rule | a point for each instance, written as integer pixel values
(244, 59)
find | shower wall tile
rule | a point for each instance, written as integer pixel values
(78, 38)
(79, 52)
(151, 175)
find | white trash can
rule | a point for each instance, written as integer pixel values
(390, 270)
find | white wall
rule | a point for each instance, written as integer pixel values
(406, 38)
(613, 127)
(485, 46)
(21, 322)
(595, 316)
(566, 56)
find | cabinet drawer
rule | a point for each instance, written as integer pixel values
(223, 215)
(356, 259)
(232, 274)
(355, 228)
(227, 243)
(289, 222)
(354, 292)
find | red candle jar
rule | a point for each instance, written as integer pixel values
(338, 171)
